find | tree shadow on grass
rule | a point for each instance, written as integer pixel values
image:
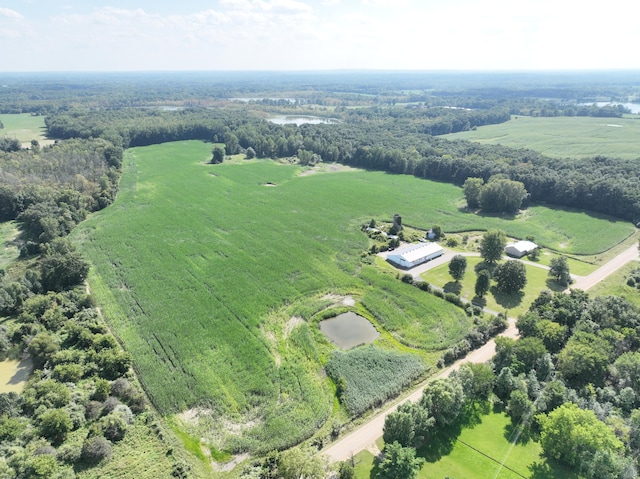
(519, 434)
(550, 469)
(441, 444)
(484, 265)
(452, 287)
(479, 301)
(555, 286)
(507, 301)
(445, 439)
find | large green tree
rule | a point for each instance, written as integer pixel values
(458, 267)
(502, 195)
(472, 188)
(55, 424)
(510, 276)
(301, 462)
(443, 399)
(217, 154)
(398, 427)
(399, 462)
(492, 246)
(483, 283)
(559, 270)
(569, 434)
(585, 359)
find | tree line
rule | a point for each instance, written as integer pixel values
(397, 145)
(571, 382)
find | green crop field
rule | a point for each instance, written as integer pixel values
(571, 137)
(24, 127)
(211, 275)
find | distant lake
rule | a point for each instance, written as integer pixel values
(634, 107)
(348, 330)
(248, 99)
(301, 120)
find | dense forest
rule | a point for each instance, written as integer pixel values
(574, 370)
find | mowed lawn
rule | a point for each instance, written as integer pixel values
(571, 137)
(488, 450)
(192, 258)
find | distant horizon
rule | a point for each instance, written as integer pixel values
(343, 70)
(315, 35)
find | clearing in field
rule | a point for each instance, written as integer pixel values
(199, 275)
(571, 137)
(24, 127)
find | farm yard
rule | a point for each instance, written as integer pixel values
(201, 271)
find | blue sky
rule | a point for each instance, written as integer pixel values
(118, 35)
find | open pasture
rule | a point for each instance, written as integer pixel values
(192, 260)
(24, 127)
(571, 137)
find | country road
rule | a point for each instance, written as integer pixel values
(366, 435)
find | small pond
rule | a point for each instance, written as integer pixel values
(348, 330)
(14, 374)
(301, 120)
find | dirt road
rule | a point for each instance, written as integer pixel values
(366, 435)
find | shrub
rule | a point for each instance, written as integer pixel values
(113, 427)
(96, 449)
(453, 298)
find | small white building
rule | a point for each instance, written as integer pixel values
(415, 254)
(520, 248)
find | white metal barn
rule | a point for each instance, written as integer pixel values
(520, 248)
(415, 254)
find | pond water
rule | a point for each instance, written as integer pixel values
(634, 107)
(13, 374)
(348, 330)
(301, 120)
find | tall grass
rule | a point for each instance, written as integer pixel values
(370, 376)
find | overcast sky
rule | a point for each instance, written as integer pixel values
(103, 35)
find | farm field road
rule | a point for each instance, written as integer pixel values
(366, 435)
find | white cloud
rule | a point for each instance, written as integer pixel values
(8, 13)
(292, 34)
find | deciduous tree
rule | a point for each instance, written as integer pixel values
(569, 433)
(483, 283)
(492, 246)
(559, 270)
(399, 462)
(457, 267)
(510, 276)
(472, 188)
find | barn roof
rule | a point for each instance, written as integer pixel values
(522, 246)
(414, 252)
